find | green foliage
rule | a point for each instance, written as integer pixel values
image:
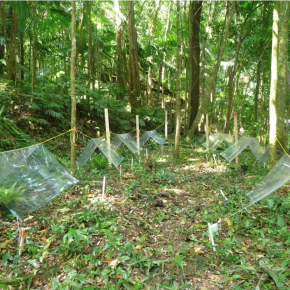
(13, 193)
(165, 176)
(100, 161)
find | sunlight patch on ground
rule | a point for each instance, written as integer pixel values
(175, 190)
(161, 160)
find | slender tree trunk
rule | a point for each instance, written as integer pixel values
(194, 125)
(12, 62)
(282, 73)
(3, 34)
(178, 85)
(151, 59)
(161, 69)
(195, 8)
(274, 86)
(120, 53)
(257, 92)
(72, 88)
(33, 50)
(134, 82)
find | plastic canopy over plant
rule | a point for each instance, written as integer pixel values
(101, 144)
(153, 135)
(232, 152)
(127, 140)
(30, 178)
(277, 177)
(216, 140)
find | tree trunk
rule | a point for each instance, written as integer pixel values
(150, 59)
(178, 85)
(120, 53)
(33, 52)
(11, 61)
(195, 8)
(282, 73)
(274, 86)
(194, 125)
(72, 88)
(2, 34)
(134, 82)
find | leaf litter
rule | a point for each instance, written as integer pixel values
(150, 231)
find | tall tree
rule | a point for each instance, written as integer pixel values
(282, 73)
(120, 52)
(134, 81)
(195, 8)
(72, 87)
(178, 84)
(229, 15)
(151, 59)
(12, 54)
(278, 88)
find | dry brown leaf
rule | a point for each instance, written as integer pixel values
(5, 244)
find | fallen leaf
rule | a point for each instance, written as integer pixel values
(114, 263)
(5, 244)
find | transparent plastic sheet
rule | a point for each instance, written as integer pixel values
(88, 151)
(277, 177)
(128, 141)
(112, 155)
(232, 152)
(153, 135)
(100, 143)
(216, 140)
(36, 174)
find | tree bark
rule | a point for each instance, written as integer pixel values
(120, 53)
(72, 88)
(282, 73)
(134, 81)
(151, 59)
(178, 85)
(274, 86)
(208, 91)
(195, 8)
(11, 61)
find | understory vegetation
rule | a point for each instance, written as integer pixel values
(149, 229)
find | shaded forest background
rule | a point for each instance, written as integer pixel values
(126, 55)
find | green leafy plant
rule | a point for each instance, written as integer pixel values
(100, 161)
(13, 193)
(165, 176)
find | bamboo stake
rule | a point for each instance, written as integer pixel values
(108, 135)
(138, 134)
(236, 132)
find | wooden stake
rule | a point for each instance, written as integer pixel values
(165, 125)
(207, 133)
(108, 134)
(138, 134)
(236, 132)
(104, 186)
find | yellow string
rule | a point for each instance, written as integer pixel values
(40, 142)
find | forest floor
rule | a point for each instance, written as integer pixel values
(150, 230)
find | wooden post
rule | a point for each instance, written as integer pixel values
(236, 131)
(138, 134)
(207, 133)
(165, 125)
(108, 134)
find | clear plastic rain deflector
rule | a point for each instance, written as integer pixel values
(216, 140)
(100, 143)
(232, 152)
(153, 135)
(127, 140)
(30, 178)
(277, 177)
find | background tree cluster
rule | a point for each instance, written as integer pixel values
(126, 59)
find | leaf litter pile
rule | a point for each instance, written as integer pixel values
(149, 230)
